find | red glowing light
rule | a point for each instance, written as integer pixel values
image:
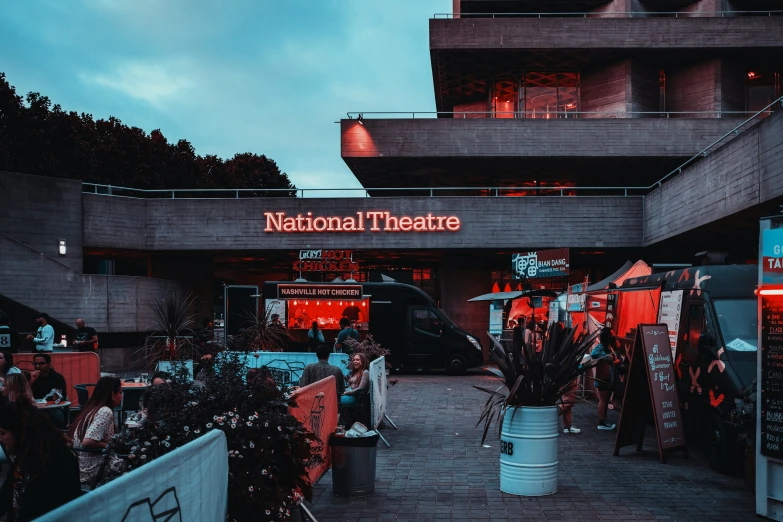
(280, 222)
(770, 291)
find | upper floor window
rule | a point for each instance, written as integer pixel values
(763, 87)
(536, 94)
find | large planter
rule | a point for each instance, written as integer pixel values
(528, 451)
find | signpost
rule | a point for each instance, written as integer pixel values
(651, 394)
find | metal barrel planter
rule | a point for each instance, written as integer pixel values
(528, 451)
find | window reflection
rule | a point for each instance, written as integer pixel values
(538, 94)
(763, 87)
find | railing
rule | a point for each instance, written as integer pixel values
(614, 14)
(626, 191)
(553, 115)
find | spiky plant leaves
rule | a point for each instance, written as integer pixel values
(536, 377)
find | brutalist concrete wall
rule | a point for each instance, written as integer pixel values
(235, 225)
(40, 211)
(744, 173)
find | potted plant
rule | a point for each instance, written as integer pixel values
(527, 415)
(172, 335)
(259, 334)
(269, 451)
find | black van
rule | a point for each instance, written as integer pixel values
(716, 348)
(408, 323)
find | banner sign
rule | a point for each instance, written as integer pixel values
(190, 483)
(375, 221)
(772, 256)
(496, 316)
(541, 264)
(378, 389)
(294, 291)
(669, 313)
(316, 409)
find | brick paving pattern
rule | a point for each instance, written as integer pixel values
(437, 470)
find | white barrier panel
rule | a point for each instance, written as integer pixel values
(190, 483)
(378, 390)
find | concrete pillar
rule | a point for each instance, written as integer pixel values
(462, 278)
(705, 8)
(706, 88)
(618, 89)
(620, 9)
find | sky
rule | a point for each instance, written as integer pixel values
(262, 76)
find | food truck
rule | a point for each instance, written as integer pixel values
(401, 318)
(711, 315)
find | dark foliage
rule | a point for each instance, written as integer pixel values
(37, 137)
(536, 378)
(259, 334)
(269, 450)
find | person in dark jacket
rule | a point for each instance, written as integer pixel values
(44, 474)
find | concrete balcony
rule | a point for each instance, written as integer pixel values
(467, 152)
(606, 33)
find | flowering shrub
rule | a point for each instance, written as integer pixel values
(269, 450)
(371, 350)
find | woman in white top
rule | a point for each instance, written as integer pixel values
(95, 426)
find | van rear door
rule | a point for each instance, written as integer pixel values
(425, 336)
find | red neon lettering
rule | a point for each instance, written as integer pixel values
(375, 216)
(406, 224)
(322, 221)
(271, 224)
(420, 224)
(391, 223)
(441, 219)
(334, 224)
(452, 223)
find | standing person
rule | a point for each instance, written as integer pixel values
(315, 337)
(9, 337)
(44, 474)
(567, 405)
(605, 375)
(44, 338)
(322, 369)
(44, 379)
(353, 313)
(17, 389)
(346, 331)
(86, 339)
(95, 426)
(358, 379)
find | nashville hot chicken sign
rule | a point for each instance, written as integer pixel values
(372, 221)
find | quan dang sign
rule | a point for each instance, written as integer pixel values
(319, 291)
(541, 264)
(373, 221)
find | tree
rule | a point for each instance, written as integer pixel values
(38, 138)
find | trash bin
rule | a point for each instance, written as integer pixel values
(353, 465)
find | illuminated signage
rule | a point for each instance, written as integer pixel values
(326, 261)
(545, 263)
(373, 221)
(322, 291)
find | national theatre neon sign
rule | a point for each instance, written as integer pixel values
(374, 221)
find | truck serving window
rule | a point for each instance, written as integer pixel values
(738, 320)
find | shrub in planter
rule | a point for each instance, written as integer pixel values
(372, 350)
(269, 450)
(527, 413)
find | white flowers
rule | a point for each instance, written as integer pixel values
(250, 488)
(264, 472)
(148, 444)
(143, 457)
(186, 428)
(209, 425)
(252, 445)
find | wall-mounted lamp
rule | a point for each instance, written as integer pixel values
(361, 117)
(62, 247)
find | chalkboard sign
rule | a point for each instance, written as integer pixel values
(772, 376)
(651, 394)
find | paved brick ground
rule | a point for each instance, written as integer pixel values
(436, 469)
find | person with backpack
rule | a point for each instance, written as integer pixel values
(346, 331)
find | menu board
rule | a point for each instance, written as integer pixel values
(772, 376)
(669, 314)
(651, 393)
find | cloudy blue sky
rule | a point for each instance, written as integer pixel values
(265, 76)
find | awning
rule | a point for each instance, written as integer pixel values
(603, 284)
(514, 295)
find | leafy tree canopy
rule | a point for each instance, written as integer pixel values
(37, 137)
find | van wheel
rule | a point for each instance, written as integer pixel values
(456, 365)
(718, 445)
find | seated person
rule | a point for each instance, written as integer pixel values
(16, 389)
(160, 378)
(358, 379)
(95, 426)
(322, 369)
(44, 379)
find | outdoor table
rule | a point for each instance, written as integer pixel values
(51, 405)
